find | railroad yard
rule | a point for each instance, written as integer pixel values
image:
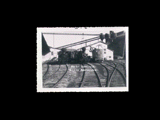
(104, 74)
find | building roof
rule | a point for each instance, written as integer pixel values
(96, 43)
(102, 43)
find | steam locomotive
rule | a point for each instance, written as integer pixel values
(73, 56)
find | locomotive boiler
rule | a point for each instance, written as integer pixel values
(98, 54)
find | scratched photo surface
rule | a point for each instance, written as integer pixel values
(79, 59)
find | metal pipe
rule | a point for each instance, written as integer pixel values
(78, 43)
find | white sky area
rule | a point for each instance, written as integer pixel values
(60, 40)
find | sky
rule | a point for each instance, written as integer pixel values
(60, 40)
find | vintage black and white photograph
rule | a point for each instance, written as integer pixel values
(82, 59)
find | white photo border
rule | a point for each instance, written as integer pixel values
(90, 89)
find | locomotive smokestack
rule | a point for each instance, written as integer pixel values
(101, 36)
(106, 37)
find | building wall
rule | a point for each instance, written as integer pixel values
(46, 57)
(88, 51)
(118, 45)
(53, 53)
(108, 54)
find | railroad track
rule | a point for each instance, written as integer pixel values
(46, 71)
(90, 78)
(83, 80)
(99, 82)
(115, 68)
(111, 76)
(107, 77)
(45, 75)
(55, 84)
(123, 66)
(82, 76)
